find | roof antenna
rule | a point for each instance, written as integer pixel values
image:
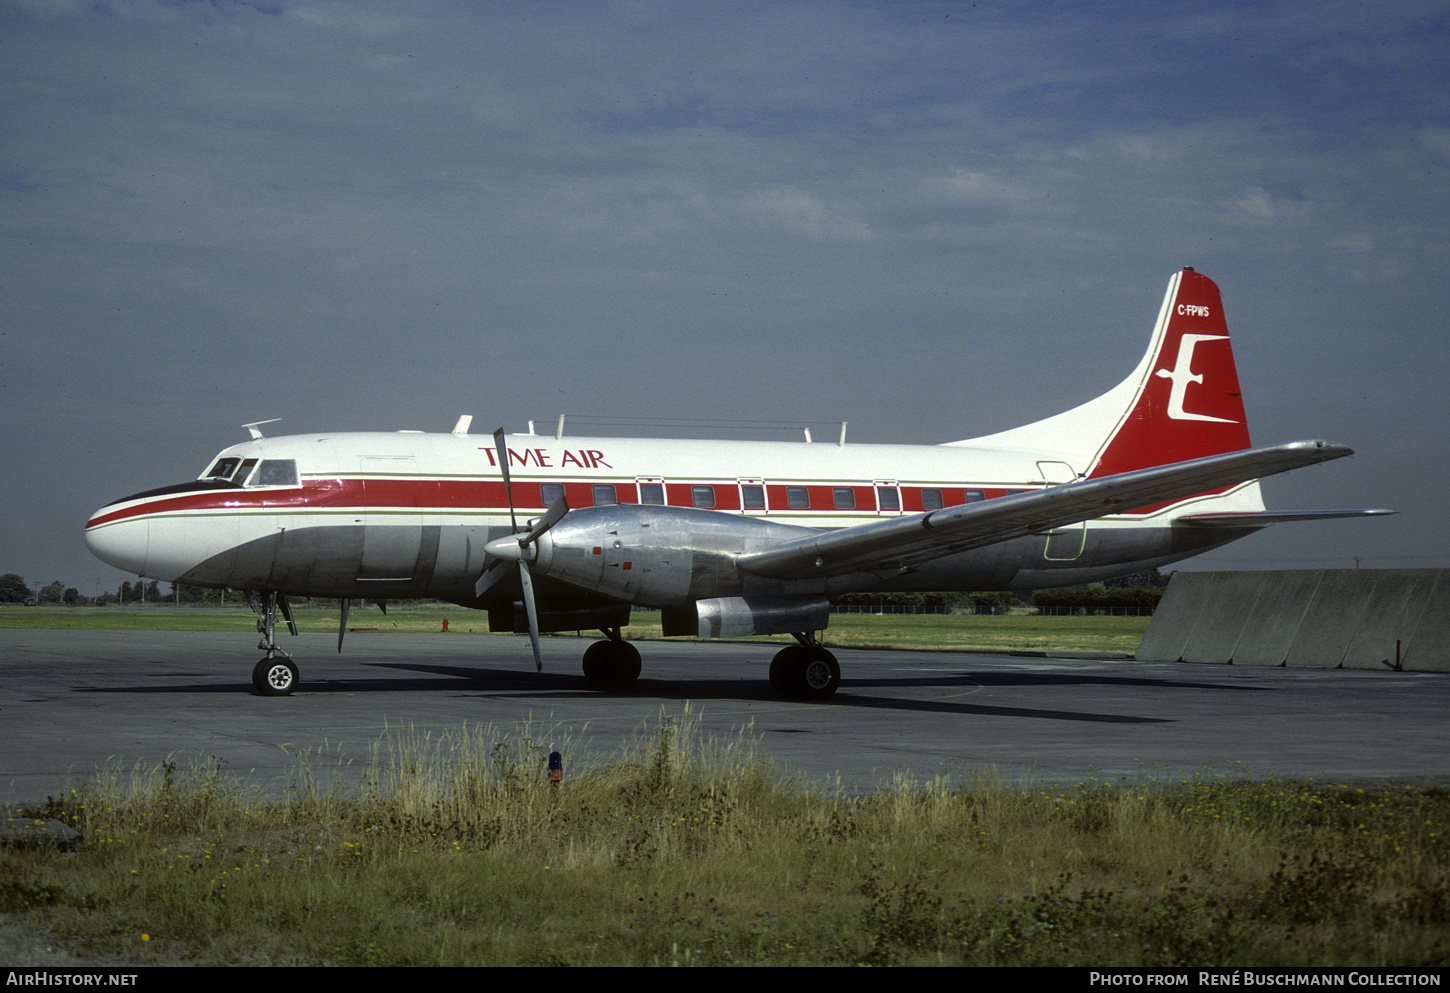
(253, 428)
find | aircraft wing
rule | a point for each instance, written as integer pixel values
(902, 542)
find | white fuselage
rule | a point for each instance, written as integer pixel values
(374, 515)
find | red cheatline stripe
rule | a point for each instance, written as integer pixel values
(487, 496)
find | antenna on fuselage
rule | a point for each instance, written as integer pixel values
(253, 428)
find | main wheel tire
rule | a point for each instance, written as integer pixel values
(611, 665)
(799, 673)
(629, 666)
(785, 672)
(820, 676)
(275, 677)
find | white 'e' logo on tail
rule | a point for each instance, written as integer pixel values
(1182, 374)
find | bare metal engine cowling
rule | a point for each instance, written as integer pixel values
(654, 556)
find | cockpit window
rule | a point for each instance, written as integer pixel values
(227, 469)
(276, 472)
(223, 469)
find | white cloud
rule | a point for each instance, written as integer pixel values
(977, 186)
(807, 214)
(1258, 206)
(1436, 140)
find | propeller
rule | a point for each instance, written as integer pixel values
(518, 547)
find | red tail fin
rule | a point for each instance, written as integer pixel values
(1187, 403)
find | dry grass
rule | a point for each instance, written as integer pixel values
(685, 850)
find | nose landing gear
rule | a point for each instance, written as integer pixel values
(276, 674)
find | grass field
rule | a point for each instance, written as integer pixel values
(1118, 635)
(683, 851)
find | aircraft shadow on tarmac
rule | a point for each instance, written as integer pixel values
(472, 679)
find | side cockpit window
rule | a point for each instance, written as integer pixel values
(275, 472)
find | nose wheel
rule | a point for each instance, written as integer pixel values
(275, 677)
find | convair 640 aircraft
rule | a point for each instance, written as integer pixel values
(726, 538)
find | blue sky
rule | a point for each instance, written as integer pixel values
(934, 220)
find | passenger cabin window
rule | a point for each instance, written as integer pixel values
(752, 497)
(604, 495)
(550, 493)
(797, 498)
(276, 472)
(703, 497)
(975, 496)
(652, 493)
(843, 497)
(888, 498)
(931, 499)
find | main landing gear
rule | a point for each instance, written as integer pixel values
(612, 664)
(806, 671)
(276, 674)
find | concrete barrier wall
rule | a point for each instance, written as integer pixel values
(1172, 623)
(1276, 618)
(1221, 611)
(1323, 618)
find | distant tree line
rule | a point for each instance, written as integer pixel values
(1141, 590)
(13, 589)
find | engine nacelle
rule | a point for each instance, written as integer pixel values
(653, 556)
(740, 617)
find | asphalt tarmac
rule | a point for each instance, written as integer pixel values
(78, 701)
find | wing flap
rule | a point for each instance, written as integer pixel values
(904, 541)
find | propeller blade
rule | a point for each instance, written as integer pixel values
(532, 611)
(342, 623)
(553, 516)
(489, 577)
(503, 467)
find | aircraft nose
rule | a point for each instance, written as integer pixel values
(118, 542)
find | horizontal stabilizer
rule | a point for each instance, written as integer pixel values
(903, 542)
(1263, 518)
